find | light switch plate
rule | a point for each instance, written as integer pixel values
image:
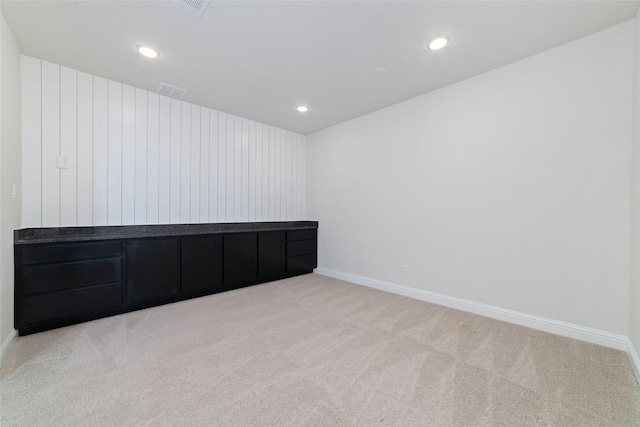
(63, 163)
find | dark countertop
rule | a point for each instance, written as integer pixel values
(28, 236)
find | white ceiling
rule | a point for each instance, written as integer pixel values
(262, 59)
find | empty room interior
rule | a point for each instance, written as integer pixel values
(319, 213)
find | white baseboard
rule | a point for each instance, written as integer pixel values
(634, 359)
(6, 345)
(594, 336)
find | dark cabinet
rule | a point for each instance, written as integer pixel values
(271, 261)
(240, 258)
(58, 283)
(201, 262)
(152, 269)
(66, 282)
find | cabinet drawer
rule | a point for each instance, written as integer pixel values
(57, 305)
(301, 247)
(302, 234)
(57, 277)
(301, 264)
(38, 254)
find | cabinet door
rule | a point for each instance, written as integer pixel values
(201, 263)
(152, 269)
(240, 258)
(271, 254)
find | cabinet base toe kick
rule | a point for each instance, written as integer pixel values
(62, 283)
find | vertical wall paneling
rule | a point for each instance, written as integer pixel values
(237, 168)
(50, 145)
(287, 186)
(270, 167)
(99, 152)
(68, 146)
(285, 176)
(185, 163)
(304, 178)
(31, 86)
(141, 157)
(205, 144)
(175, 152)
(213, 166)
(294, 164)
(222, 166)
(114, 161)
(278, 174)
(85, 150)
(128, 154)
(244, 171)
(252, 172)
(290, 143)
(283, 171)
(164, 161)
(272, 174)
(265, 174)
(258, 171)
(194, 166)
(153, 157)
(294, 176)
(301, 177)
(230, 166)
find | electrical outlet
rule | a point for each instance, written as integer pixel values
(405, 269)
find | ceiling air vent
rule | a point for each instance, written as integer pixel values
(172, 91)
(193, 8)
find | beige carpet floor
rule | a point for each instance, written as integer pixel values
(312, 351)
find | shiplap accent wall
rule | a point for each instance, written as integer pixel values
(136, 157)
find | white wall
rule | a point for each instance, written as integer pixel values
(634, 292)
(135, 157)
(9, 173)
(509, 189)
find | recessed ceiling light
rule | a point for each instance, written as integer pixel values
(438, 43)
(147, 51)
(302, 109)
